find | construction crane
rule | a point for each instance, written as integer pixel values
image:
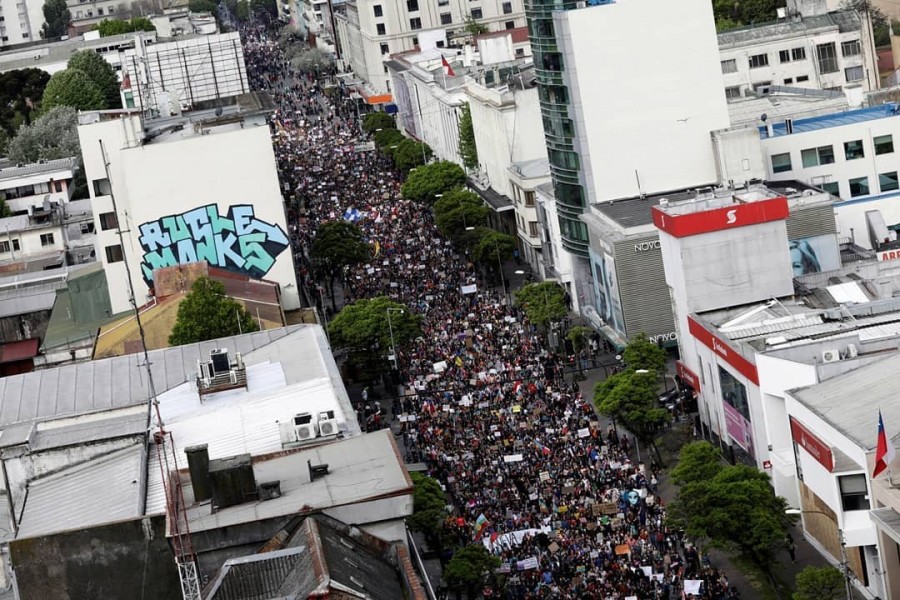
(176, 515)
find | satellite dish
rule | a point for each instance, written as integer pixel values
(764, 117)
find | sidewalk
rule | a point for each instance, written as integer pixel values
(749, 583)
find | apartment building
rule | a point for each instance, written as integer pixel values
(818, 49)
(369, 31)
(20, 21)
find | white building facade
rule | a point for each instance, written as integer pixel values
(22, 22)
(209, 192)
(823, 50)
(369, 31)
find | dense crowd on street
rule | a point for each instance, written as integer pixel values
(532, 475)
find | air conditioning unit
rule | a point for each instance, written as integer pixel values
(220, 362)
(830, 356)
(328, 425)
(288, 433)
(305, 427)
(852, 351)
(205, 371)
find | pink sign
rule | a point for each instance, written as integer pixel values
(738, 428)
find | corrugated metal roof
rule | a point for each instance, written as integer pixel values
(120, 381)
(871, 387)
(50, 166)
(356, 567)
(286, 573)
(99, 491)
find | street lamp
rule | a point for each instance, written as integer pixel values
(393, 355)
(845, 565)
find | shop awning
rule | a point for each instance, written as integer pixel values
(379, 99)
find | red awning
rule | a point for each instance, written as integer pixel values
(15, 351)
(687, 376)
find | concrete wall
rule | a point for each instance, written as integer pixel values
(627, 122)
(129, 559)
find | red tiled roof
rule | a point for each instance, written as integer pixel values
(519, 34)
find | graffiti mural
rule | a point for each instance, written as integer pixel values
(236, 241)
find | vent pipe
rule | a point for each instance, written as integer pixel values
(198, 465)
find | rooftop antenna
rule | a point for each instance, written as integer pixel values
(178, 525)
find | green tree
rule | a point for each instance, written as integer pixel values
(468, 150)
(410, 154)
(630, 398)
(735, 509)
(386, 138)
(74, 88)
(436, 178)
(56, 19)
(53, 135)
(242, 11)
(731, 13)
(377, 120)
(108, 27)
(364, 329)
(266, 9)
(202, 6)
(337, 245)
(469, 567)
(142, 24)
(580, 337)
(20, 96)
(819, 583)
(473, 27)
(641, 353)
(492, 248)
(206, 313)
(697, 461)
(543, 302)
(429, 510)
(100, 72)
(457, 213)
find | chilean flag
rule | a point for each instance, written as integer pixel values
(884, 451)
(448, 70)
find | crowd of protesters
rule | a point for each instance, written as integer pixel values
(484, 403)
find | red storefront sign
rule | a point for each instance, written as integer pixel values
(687, 376)
(728, 354)
(816, 448)
(716, 219)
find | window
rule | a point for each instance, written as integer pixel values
(733, 92)
(854, 150)
(87, 227)
(446, 18)
(802, 78)
(379, 12)
(47, 239)
(798, 53)
(784, 56)
(529, 199)
(854, 73)
(4, 247)
(24, 34)
(884, 144)
(57, 185)
(762, 87)
(100, 11)
(781, 163)
(108, 220)
(859, 187)
(110, 10)
(850, 48)
(415, 42)
(114, 254)
(832, 188)
(729, 66)
(510, 25)
(385, 49)
(888, 181)
(789, 81)
(759, 60)
(412, 5)
(854, 494)
(533, 228)
(507, 8)
(827, 58)
(520, 52)
(415, 23)
(477, 13)
(379, 29)
(813, 157)
(101, 187)
(443, 2)
(439, 43)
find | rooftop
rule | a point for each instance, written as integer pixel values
(361, 469)
(35, 56)
(531, 169)
(873, 387)
(635, 212)
(843, 21)
(850, 117)
(519, 35)
(746, 112)
(19, 171)
(50, 507)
